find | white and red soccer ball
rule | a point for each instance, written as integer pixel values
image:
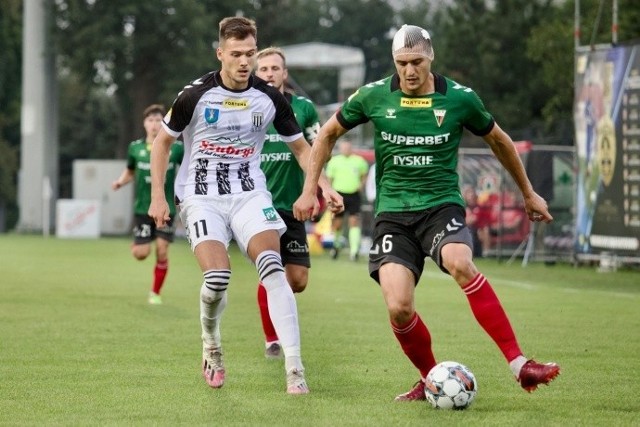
(450, 385)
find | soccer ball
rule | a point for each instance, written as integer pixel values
(450, 385)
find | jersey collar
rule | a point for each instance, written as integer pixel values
(438, 80)
(218, 79)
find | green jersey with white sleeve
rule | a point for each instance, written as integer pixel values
(416, 139)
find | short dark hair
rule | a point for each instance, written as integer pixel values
(153, 109)
(237, 27)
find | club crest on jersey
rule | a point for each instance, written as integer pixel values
(270, 214)
(256, 120)
(416, 102)
(439, 116)
(211, 115)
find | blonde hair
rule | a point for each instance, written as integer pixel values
(272, 51)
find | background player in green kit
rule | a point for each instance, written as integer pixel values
(138, 170)
(347, 172)
(419, 117)
(284, 181)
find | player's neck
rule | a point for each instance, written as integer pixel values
(428, 87)
(229, 83)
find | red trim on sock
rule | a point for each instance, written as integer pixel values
(488, 311)
(415, 341)
(159, 274)
(270, 334)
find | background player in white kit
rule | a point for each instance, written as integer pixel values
(223, 117)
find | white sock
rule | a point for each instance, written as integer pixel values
(282, 307)
(517, 364)
(213, 300)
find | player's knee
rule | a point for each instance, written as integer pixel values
(461, 269)
(140, 252)
(298, 286)
(162, 254)
(297, 279)
(400, 313)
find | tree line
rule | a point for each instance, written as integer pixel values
(116, 57)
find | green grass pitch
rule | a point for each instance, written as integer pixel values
(79, 345)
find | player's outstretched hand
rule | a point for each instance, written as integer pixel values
(334, 201)
(537, 209)
(159, 211)
(306, 207)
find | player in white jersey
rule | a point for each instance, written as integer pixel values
(223, 118)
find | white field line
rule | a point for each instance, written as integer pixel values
(533, 287)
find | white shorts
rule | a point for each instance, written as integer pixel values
(236, 216)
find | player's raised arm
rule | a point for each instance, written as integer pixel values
(302, 151)
(159, 208)
(320, 153)
(502, 146)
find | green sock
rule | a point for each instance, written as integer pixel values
(354, 240)
(337, 239)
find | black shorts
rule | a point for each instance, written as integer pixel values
(408, 238)
(294, 248)
(352, 203)
(145, 231)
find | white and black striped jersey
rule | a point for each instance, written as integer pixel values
(223, 132)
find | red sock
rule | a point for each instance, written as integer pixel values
(159, 273)
(490, 315)
(267, 326)
(415, 341)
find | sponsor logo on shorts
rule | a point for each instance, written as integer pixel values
(436, 239)
(270, 214)
(296, 248)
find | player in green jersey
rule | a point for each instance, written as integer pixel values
(347, 172)
(419, 117)
(280, 166)
(138, 170)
